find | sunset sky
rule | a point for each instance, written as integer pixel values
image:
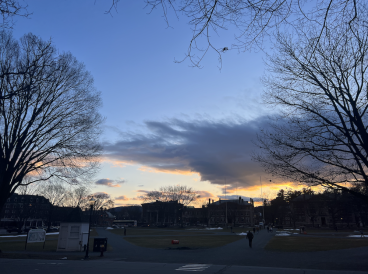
(166, 123)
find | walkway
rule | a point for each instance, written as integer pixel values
(238, 253)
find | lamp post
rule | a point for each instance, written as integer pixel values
(91, 203)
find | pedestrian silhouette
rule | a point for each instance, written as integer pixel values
(250, 238)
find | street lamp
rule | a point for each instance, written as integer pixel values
(91, 203)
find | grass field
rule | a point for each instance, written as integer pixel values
(307, 244)
(136, 231)
(204, 241)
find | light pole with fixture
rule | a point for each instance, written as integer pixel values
(91, 203)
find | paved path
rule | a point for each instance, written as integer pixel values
(238, 253)
(94, 267)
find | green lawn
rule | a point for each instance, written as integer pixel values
(203, 241)
(307, 244)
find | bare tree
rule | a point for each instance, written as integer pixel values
(102, 201)
(51, 128)
(77, 197)
(9, 9)
(320, 85)
(183, 194)
(251, 21)
(56, 193)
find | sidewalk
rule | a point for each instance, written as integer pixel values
(92, 267)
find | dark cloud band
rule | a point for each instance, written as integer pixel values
(219, 151)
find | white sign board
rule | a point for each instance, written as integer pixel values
(36, 236)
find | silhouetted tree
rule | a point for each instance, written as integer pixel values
(320, 85)
(183, 194)
(254, 21)
(49, 127)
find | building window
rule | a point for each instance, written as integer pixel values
(6, 211)
(7, 206)
(15, 200)
(74, 232)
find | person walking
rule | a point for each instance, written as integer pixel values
(268, 228)
(254, 230)
(250, 238)
(124, 231)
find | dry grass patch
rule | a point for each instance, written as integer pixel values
(308, 244)
(158, 232)
(205, 241)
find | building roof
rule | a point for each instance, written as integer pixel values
(230, 201)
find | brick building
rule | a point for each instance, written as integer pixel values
(164, 213)
(236, 212)
(25, 210)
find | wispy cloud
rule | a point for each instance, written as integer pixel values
(122, 198)
(205, 194)
(109, 183)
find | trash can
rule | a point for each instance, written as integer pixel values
(99, 243)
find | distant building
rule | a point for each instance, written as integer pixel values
(231, 212)
(320, 210)
(133, 212)
(25, 210)
(164, 213)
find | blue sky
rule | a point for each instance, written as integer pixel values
(166, 123)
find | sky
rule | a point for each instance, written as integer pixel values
(166, 123)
